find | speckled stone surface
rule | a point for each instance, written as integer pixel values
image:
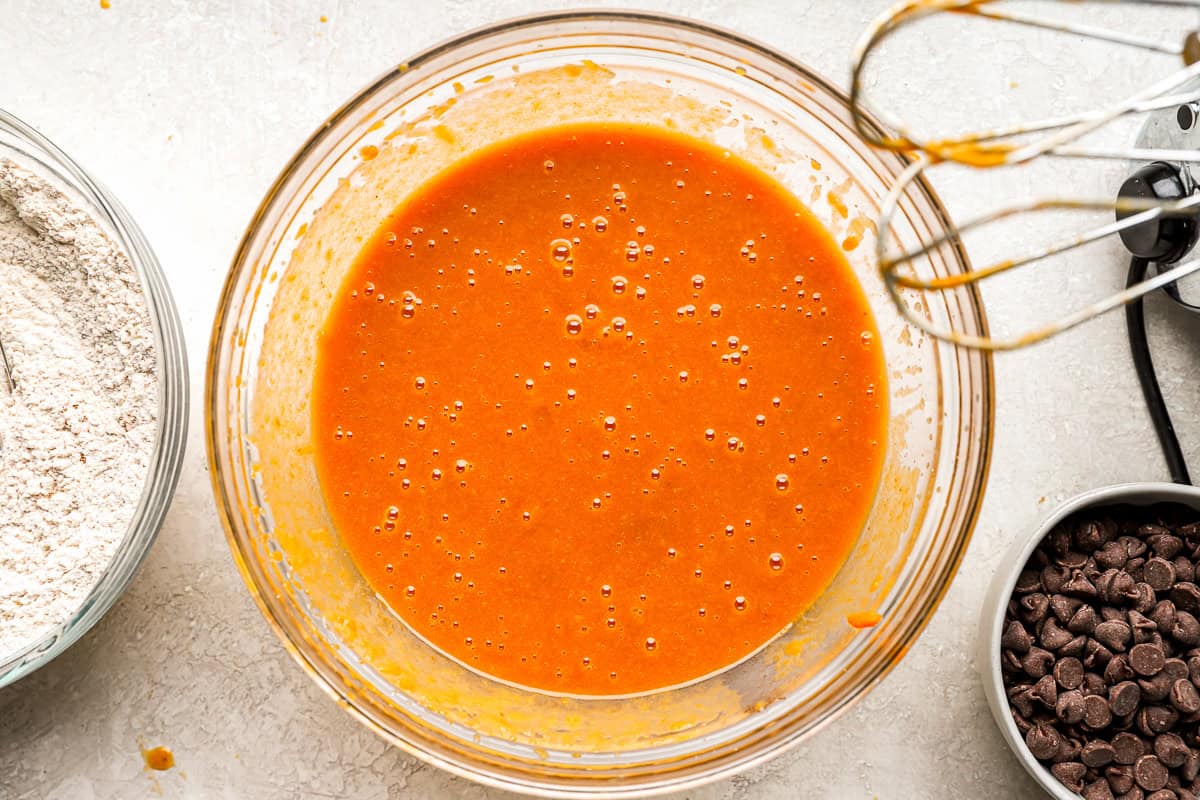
(187, 110)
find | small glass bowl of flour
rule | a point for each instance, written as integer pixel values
(92, 432)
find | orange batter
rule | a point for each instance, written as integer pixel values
(599, 409)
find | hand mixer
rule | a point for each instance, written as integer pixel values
(1156, 209)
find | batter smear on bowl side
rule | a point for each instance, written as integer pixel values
(600, 409)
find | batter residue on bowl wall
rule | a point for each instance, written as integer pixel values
(599, 409)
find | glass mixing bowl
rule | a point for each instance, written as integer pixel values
(25, 145)
(515, 77)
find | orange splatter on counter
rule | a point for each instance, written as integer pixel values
(599, 409)
(158, 758)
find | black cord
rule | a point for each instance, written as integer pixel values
(1135, 321)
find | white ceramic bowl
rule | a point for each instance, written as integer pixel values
(1001, 588)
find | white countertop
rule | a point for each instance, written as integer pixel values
(187, 110)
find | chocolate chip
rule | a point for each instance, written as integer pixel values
(1068, 750)
(1112, 556)
(1034, 607)
(1185, 569)
(1134, 547)
(1149, 773)
(1148, 529)
(1191, 766)
(1165, 545)
(1097, 790)
(1123, 698)
(1096, 713)
(1054, 576)
(1108, 528)
(1144, 598)
(1042, 741)
(1162, 794)
(1052, 636)
(1155, 688)
(1046, 691)
(1069, 774)
(1015, 637)
(1153, 720)
(1112, 585)
(1121, 724)
(1190, 719)
(1159, 573)
(1118, 669)
(1063, 607)
(1136, 569)
(1193, 664)
(1069, 708)
(1084, 621)
(1113, 634)
(1109, 613)
(1079, 586)
(1163, 613)
(1097, 753)
(1175, 669)
(1073, 559)
(1037, 661)
(1170, 749)
(1119, 777)
(1090, 535)
(1185, 596)
(1168, 645)
(1128, 748)
(1010, 661)
(1146, 633)
(1069, 673)
(1145, 659)
(1058, 540)
(1096, 656)
(1075, 648)
(1186, 629)
(1185, 697)
(1093, 684)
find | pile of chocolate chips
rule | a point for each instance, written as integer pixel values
(1101, 653)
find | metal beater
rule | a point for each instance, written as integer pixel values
(1156, 211)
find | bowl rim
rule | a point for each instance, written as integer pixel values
(891, 653)
(1005, 580)
(171, 423)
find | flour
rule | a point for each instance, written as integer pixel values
(77, 433)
